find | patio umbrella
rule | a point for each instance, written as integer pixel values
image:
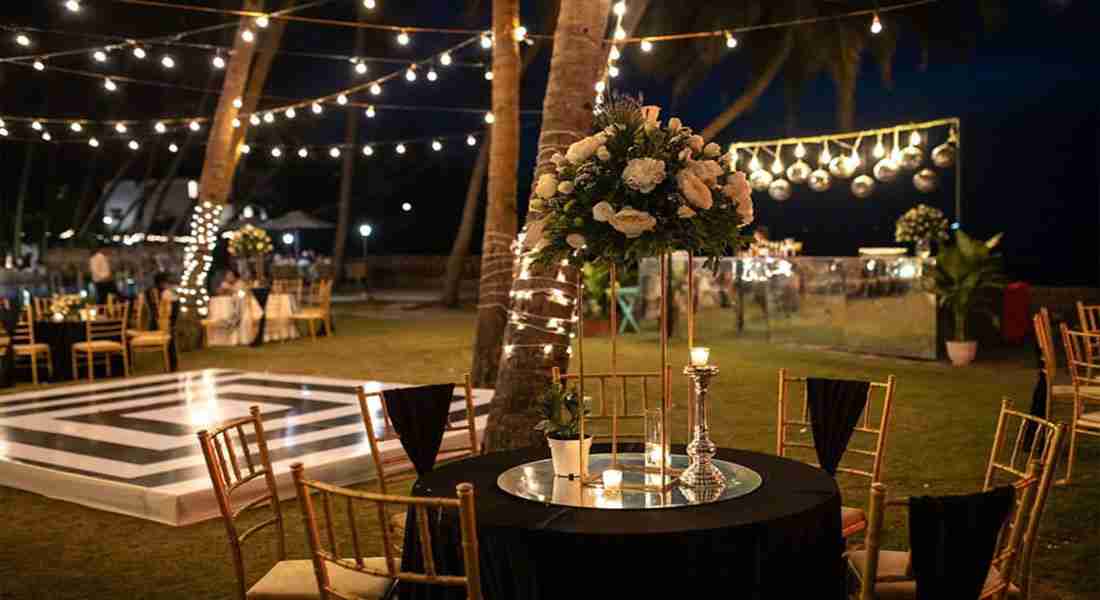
(294, 221)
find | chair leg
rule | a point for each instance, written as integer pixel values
(125, 363)
(107, 362)
(76, 374)
(328, 325)
(91, 366)
(49, 363)
(167, 367)
(1072, 455)
(312, 331)
(34, 368)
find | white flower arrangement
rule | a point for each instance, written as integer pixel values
(635, 189)
(922, 223)
(249, 241)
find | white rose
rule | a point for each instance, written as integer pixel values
(575, 241)
(633, 223)
(711, 150)
(696, 142)
(744, 209)
(707, 170)
(685, 212)
(565, 187)
(644, 174)
(693, 188)
(603, 212)
(534, 233)
(674, 124)
(603, 154)
(547, 186)
(737, 187)
(579, 152)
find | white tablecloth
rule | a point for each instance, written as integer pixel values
(237, 318)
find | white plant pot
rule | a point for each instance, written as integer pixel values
(961, 353)
(567, 459)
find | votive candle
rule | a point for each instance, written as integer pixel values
(612, 479)
(699, 356)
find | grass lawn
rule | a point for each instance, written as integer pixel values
(942, 429)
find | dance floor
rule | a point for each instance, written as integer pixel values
(129, 446)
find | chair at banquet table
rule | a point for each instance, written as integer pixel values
(232, 464)
(419, 418)
(614, 418)
(321, 311)
(1089, 316)
(371, 578)
(137, 324)
(104, 334)
(825, 419)
(42, 307)
(291, 287)
(158, 340)
(1020, 440)
(25, 345)
(959, 545)
(1084, 370)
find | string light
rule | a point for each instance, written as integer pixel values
(173, 148)
(277, 152)
(159, 127)
(489, 118)
(799, 150)
(620, 8)
(824, 158)
(647, 46)
(360, 67)
(134, 145)
(410, 74)
(519, 33)
(879, 150)
(254, 119)
(99, 56)
(486, 41)
(437, 145)
(269, 117)
(369, 4)
(853, 158)
(218, 61)
(22, 39)
(777, 165)
(876, 25)
(334, 152)
(139, 53)
(368, 151)
(120, 127)
(237, 103)
(375, 89)
(731, 42)
(432, 75)
(46, 136)
(914, 138)
(291, 113)
(601, 85)
(488, 75)
(754, 164)
(370, 112)
(246, 149)
(471, 140)
(39, 65)
(109, 84)
(445, 59)
(620, 33)
(403, 38)
(303, 153)
(194, 126)
(248, 36)
(400, 148)
(94, 143)
(316, 108)
(262, 22)
(613, 71)
(342, 99)
(77, 127)
(614, 54)
(405, 206)
(72, 5)
(168, 62)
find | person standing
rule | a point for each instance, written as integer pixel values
(100, 266)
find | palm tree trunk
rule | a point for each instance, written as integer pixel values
(347, 172)
(461, 247)
(21, 200)
(500, 213)
(752, 93)
(578, 58)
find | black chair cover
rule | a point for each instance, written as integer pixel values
(261, 294)
(419, 415)
(952, 540)
(835, 407)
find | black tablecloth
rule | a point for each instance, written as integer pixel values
(780, 541)
(61, 335)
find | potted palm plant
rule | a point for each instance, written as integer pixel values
(961, 273)
(560, 409)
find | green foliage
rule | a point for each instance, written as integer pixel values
(962, 272)
(559, 408)
(597, 286)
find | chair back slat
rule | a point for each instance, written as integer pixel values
(866, 450)
(612, 410)
(423, 510)
(109, 322)
(226, 478)
(1089, 316)
(1082, 357)
(1018, 439)
(24, 329)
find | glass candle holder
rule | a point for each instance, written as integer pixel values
(612, 480)
(654, 442)
(699, 356)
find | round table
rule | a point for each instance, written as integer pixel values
(61, 335)
(781, 541)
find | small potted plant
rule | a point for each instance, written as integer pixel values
(961, 273)
(559, 408)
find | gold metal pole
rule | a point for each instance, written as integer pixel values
(665, 383)
(614, 276)
(691, 338)
(578, 304)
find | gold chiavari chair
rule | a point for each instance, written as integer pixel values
(292, 287)
(396, 468)
(1023, 441)
(866, 450)
(137, 318)
(321, 312)
(156, 341)
(1084, 370)
(1089, 315)
(104, 334)
(26, 346)
(371, 578)
(888, 575)
(614, 417)
(41, 307)
(232, 465)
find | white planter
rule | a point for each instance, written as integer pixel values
(567, 459)
(961, 353)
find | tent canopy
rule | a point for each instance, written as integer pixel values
(295, 220)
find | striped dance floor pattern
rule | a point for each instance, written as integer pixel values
(129, 446)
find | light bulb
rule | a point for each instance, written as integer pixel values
(406, 206)
(237, 103)
(489, 118)
(159, 127)
(754, 164)
(72, 5)
(799, 150)
(291, 113)
(437, 145)
(876, 25)
(94, 143)
(519, 33)
(368, 151)
(486, 41)
(194, 126)
(731, 42)
(219, 62)
(120, 127)
(262, 22)
(248, 36)
(109, 84)
(914, 138)
(361, 68)
(403, 38)
(879, 151)
(277, 152)
(432, 75)
(139, 53)
(777, 165)
(245, 149)
(614, 54)
(825, 157)
(22, 39)
(99, 56)
(647, 46)
(613, 71)
(46, 136)
(77, 127)
(400, 148)
(39, 65)
(316, 108)
(488, 75)
(334, 152)
(620, 8)
(471, 140)
(895, 154)
(269, 117)
(168, 62)
(445, 59)
(375, 89)
(302, 153)
(410, 74)
(370, 112)
(173, 148)
(620, 33)
(854, 160)
(254, 119)
(133, 145)
(369, 4)
(601, 85)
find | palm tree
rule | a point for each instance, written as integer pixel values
(347, 169)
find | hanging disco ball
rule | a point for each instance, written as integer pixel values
(760, 180)
(798, 172)
(820, 180)
(780, 190)
(943, 156)
(841, 167)
(886, 170)
(926, 181)
(862, 186)
(911, 157)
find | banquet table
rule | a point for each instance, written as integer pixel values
(61, 335)
(782, 540)
(242, 317)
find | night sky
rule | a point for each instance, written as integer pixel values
(1026, 94)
